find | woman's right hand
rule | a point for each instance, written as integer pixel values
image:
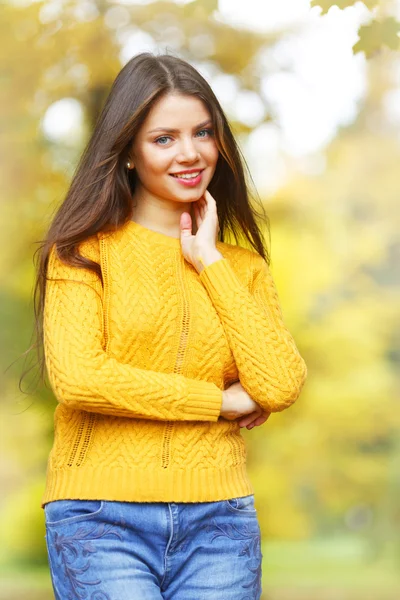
(236, 403)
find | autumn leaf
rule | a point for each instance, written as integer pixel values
(377, 34)
(327, 4)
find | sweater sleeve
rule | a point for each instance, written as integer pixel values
(270, 367)
(84, 377)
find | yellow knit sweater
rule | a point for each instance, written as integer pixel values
(138, 368)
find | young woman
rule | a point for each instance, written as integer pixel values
(161, 341)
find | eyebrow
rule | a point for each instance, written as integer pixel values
(169, 130)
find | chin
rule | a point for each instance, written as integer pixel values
(196, 195)
(190, 195)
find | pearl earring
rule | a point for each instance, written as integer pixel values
(128, 164)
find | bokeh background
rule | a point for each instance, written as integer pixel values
(312, 90)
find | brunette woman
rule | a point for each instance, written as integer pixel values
(161, 340)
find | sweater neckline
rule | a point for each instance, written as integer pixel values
(156, 236)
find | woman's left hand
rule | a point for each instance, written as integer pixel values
(202, 244)
(254, 419)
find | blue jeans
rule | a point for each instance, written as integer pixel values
(107, 550)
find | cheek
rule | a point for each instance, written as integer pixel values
(153, 163)
(211, 157)
(212, 154)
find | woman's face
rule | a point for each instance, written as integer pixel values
(157, 155)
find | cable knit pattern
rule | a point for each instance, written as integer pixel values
(138, 366)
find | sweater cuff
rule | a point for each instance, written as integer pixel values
(219, 278)
(204, 402)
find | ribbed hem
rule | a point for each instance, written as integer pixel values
(219, 278)
(149, 485)
(204, 402)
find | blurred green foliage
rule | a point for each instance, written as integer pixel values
(327, 469)
(22, 526)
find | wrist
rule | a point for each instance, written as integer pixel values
(205, 257)
(228, 408)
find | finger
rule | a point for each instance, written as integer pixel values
(186, 225)
(249, 418)
(267, 415)
(210, 201)
(259, 421)
(208, 198)
(260, 416)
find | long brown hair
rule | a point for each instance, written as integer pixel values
(100, 195)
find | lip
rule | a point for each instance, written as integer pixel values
(189, 182)
(187, 171)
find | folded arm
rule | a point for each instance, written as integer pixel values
(270, 367)
(84, 377)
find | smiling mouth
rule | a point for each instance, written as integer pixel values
(187, 175)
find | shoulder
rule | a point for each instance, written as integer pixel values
(243, 256)
(245, 262)
(235, 252)
(88, 248)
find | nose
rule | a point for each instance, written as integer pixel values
(188, 151)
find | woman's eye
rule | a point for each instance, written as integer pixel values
(164, 137)
(208, 131)
(167, 137)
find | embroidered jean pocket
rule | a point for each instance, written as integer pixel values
(64, 512)
(242, 504)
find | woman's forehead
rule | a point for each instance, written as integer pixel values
(177, 112)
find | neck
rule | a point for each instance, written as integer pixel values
(162, 215)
